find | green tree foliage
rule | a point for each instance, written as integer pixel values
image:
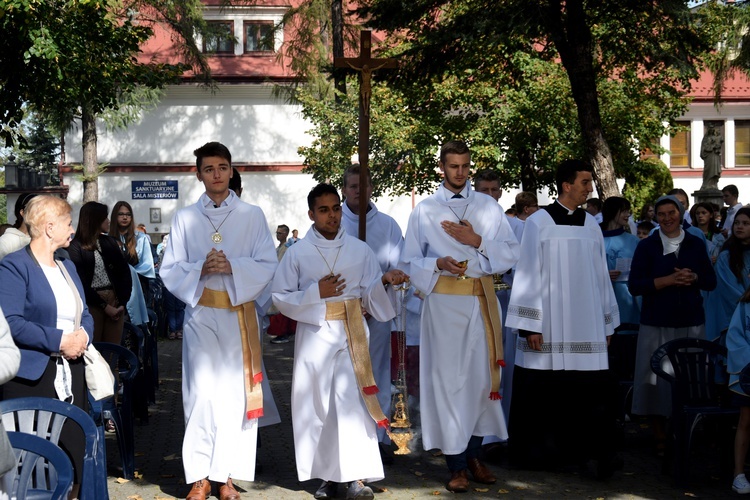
(728, 24)
(645, 181)
(650, 46)
(73, 59)
(535, 118)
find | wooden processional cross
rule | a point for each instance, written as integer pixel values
(364, 65)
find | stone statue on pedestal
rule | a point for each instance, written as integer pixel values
(711, 147)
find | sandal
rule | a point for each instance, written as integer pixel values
(179, 334)
(172, 336)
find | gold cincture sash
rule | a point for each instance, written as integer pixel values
(483, 288)
(251, 350)
(350, 312)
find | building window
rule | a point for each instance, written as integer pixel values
(220, 37)
(679, 147)
(258, 36)
(742, 143)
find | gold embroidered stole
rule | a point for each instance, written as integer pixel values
(484, 290)
(350, 312)
(251, 349)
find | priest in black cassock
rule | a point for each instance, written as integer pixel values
(564, 308)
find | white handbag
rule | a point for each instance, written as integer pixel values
(99, 378)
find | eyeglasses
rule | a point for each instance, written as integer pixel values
(124, 214)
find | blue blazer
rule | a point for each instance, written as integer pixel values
(31, 310)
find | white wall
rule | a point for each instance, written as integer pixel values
(255, 126)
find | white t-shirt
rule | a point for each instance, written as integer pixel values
(66, 303)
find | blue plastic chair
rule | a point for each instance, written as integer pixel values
(44, 471)
(134, 339)
(45, 417)
(695, 393)
(122, 361)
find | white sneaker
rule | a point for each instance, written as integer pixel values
(741, 485)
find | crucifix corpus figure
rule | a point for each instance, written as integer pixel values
(365, 64)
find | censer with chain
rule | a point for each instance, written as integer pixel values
(401, 433)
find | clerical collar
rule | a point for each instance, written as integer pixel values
(562, 216)
(570, 212)
(448, 194)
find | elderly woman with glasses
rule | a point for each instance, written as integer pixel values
(42, 298)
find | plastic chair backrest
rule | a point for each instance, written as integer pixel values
(45, 417)
(693, 370)
(121, 359)
(44, 470)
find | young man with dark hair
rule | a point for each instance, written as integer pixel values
(730, 195)
(323, 283)
(218, 272)
(456, 240)
(385, 239)
(564, 309)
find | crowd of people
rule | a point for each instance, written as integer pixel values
(512, 312)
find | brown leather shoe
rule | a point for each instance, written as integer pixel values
(480, 472)
(227, 491)
(200, 490)
(459, 482)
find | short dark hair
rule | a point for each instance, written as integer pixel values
(354, 169)
(319, 191)
(487, 175)
(453, 148)
(596, 202)
(645, 225)
(235, 182)
(731, 189)
(283, 227)
(212, 149)
(568, 170)
(525, 199)
(675, 191)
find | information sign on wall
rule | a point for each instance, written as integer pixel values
(150, 190)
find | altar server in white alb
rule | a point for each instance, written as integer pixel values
(461, 351)
(564, 307)
(385, 239)
(323, 282)
(219, 258)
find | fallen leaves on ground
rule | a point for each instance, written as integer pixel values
(481, 490)
(135, 497)
(122, 480)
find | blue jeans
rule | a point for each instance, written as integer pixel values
(175, 311)
(458, 462)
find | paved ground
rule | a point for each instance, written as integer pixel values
(419, 475)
